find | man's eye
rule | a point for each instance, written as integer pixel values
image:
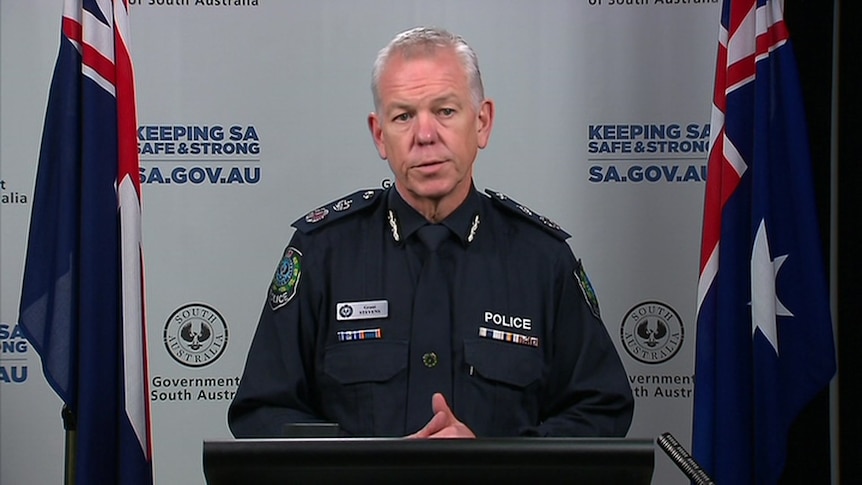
(447, 111)
(402, 117)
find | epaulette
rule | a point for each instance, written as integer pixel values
(514, 207)
(337, 209)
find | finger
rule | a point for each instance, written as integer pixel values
(434, 425)
(439, 405)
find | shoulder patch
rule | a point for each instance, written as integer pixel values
(286, 279)
(587, 288)
(522, 210)
(351, 204)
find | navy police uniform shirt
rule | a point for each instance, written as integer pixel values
(530, 355)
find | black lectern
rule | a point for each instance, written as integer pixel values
(402, 461)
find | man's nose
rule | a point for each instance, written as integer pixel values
(426, 128)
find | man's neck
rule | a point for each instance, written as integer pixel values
(436, 210)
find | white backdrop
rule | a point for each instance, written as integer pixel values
(602, 125)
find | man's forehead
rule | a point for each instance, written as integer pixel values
(438, 62)
(407, 97)
(434, 76)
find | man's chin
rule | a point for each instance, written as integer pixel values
(439, 190)
(433, 191)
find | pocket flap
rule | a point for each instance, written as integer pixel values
(512, 364)
(365, 361)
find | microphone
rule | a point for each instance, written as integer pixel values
(683, 459)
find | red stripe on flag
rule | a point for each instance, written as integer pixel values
(99, 63)
(719, 94)
(92, 57)
(126, 115)
(72, 29)
(775, 35)
(739, 10)
(739, 71)
(713, 200)
(741, 13)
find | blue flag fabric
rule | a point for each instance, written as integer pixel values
(764, 332)
(82, 292)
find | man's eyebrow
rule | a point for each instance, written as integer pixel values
(398, 106)
(448, 97)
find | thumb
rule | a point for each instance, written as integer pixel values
(439, 404)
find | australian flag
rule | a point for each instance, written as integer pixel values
(82, 297)
(764, 333)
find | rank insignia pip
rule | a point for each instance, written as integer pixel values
(286, 279)
(587, 289)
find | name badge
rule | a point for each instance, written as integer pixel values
(362, 310)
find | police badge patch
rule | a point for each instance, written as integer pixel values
(587, 289)
(286, 279)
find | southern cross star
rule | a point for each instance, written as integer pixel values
(765, 305)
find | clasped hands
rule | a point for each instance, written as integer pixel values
(443, 424)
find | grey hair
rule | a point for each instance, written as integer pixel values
(420, 41)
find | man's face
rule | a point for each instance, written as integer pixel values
(428, 128)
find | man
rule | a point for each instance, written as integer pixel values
(494, 331)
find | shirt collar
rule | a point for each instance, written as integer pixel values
(405, 220)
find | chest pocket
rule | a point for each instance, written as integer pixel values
(365, 361)
(511, 364)
(506, 378)
(365, 386)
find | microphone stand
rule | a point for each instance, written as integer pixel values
(683, 459)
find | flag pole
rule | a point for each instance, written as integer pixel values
(70, 424)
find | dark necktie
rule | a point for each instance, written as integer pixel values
(430, 367)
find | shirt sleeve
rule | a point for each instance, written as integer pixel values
(276, 386)
(588, 394)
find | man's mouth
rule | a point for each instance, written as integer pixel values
(430, 163)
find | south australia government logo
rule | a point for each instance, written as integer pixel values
(195, 335)
(652, 332)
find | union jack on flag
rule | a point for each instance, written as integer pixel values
(82, 297)
(764, 332)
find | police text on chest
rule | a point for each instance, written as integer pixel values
(509, 321)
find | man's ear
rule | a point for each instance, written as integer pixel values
(377, 134)
(485, 122)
